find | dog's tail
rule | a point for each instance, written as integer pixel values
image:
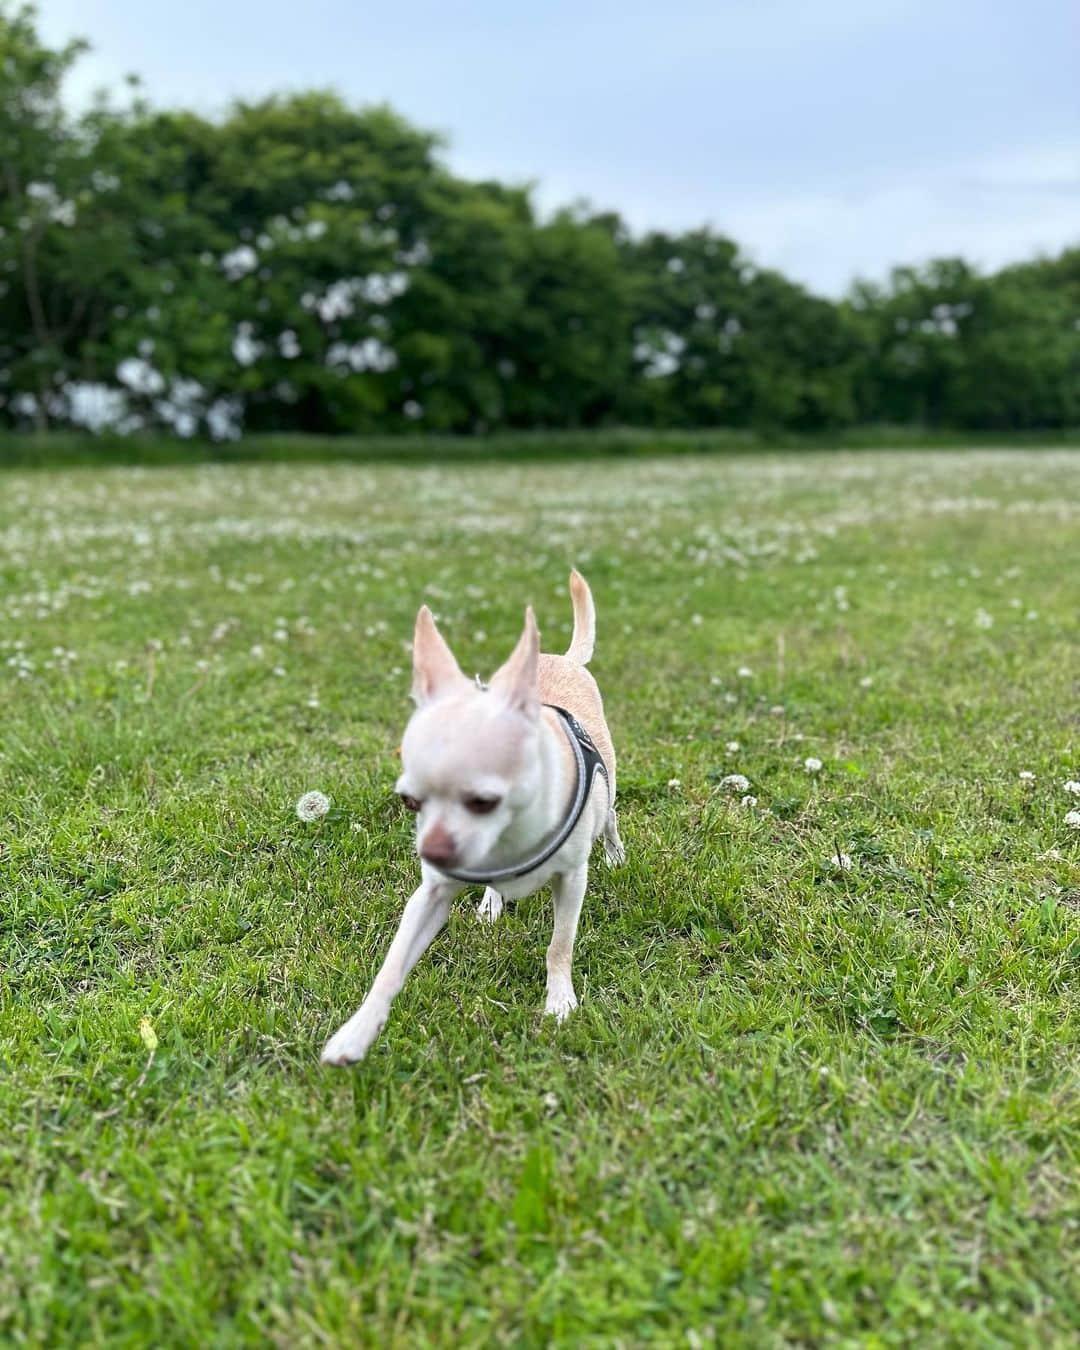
(581, 644)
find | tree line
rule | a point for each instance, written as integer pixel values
(300, 264)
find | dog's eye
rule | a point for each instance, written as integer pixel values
(481, 806)
(409, 803)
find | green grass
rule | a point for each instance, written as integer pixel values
(76, 449)
(798, 1105)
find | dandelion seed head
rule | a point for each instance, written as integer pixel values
(812, 764)
(312, 806)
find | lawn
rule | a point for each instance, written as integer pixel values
(823, 1084)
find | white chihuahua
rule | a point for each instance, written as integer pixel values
(512, 784)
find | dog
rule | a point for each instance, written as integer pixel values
(512, 784)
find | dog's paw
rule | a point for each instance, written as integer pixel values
(352, 1042)
(560, 1001)
(490, 907)
(614, 852)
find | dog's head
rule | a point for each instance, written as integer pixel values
(469, 755)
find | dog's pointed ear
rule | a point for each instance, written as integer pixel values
(434, 669)
(517, 681)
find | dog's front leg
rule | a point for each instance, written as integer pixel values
(423, 919)
(568, 891)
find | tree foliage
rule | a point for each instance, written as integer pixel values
(299, 264)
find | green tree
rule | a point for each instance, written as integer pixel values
(719, 342)
(947, 346)
(39, 172)
(300, 264)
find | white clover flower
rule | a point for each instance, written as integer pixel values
(674, 782)
(1072, 819)
(983, 619)
(745, 673)
(777, 710)
(735, 782)
(312, 806)
(696, 620)
(841, 861)
(748, 801)
(867, 682)
(733, 747)
(812, 764)
(1072, 786)
(1026, 776)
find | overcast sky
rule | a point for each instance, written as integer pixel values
(828, 137)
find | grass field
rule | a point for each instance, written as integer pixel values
(823, 1084)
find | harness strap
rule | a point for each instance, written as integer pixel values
(589, 764)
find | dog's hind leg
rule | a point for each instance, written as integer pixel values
(567, 891)
(490, 907)
(614, 851)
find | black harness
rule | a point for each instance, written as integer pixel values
(589, 764)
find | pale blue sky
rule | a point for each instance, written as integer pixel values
(830, 138)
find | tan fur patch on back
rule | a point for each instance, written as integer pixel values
(570, 686)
